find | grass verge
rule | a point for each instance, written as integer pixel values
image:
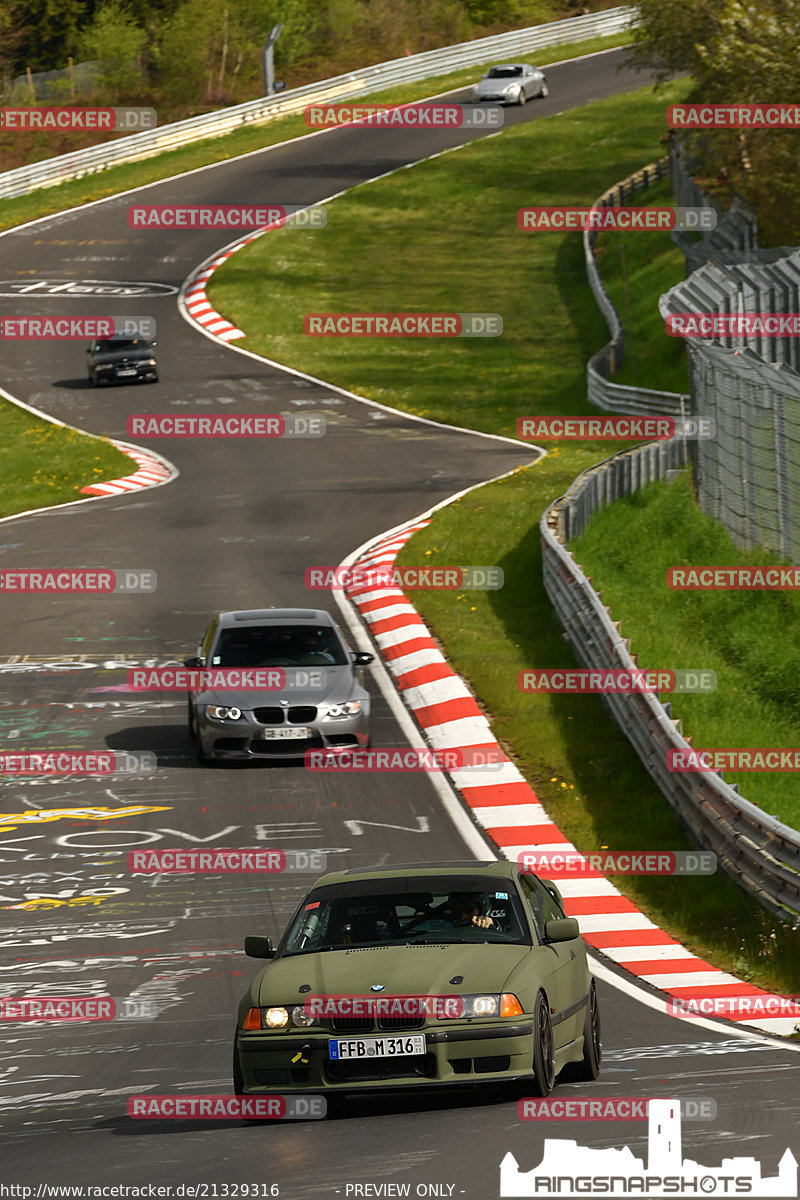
(651, 264)
(740, 635)
(434, 241)
(43, 464)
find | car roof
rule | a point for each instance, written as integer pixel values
(494, 66)
(267, 616)
(496, 869)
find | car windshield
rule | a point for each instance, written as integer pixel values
(504, 72)
(279, 646)
(393, 912)
(134, 343)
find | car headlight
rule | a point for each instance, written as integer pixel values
(275, 1018)
(302, 1018)
(220, 712)
(479, 1005)
(148, 362)
(348, 709)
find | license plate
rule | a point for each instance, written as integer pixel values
(286, 733)
(376, 1047)
(127, 371)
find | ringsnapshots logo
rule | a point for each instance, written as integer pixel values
(405, 116)
(737, 758)
(226, 679)
(226, 1108)
(246, 861)
(618, 679)
(76, 1008)
(733, 579)
(570, 864)
(64, 329)
(568, 1169)
(607, 218)
(62, 117)
(62, 581)
(609, 1108)
(408, 578)
(226, 216)
(333, 758)
(232, 425)
(733, 325)
(614, 429)
(402, 325)
(733, 116)
(109, 763)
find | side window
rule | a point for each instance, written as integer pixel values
(541, 904)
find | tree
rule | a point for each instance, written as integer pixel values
(116, 41)
(51, 30)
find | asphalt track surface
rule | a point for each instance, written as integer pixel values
(236, 529)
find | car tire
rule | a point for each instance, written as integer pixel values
(91, 378)
(192, 719)
(202, 758)
(154, 379)
(544, 1064)
(521, 98)
(589, 1066)
(545, 92)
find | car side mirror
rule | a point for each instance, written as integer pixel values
(261, 947)
(361, 658)
(154, 342)
(565, 929)
(194, 662)
(553, 890)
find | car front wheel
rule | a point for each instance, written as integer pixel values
(521, 98)
(589, 1066)
(544, 1061)
(545, 92)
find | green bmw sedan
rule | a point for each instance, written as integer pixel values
(416, 976)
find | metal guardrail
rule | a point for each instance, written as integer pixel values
(601, 391)
(757, 851)
(515, 44)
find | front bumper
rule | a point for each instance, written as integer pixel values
(459, 1054)
(244, 739)
(497, 98)
(125, 373)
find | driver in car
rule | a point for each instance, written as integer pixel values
(460, 910)
(314, 649)
(463, 909)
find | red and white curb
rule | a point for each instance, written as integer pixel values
(504, 804)
(152, 470)
(197, 303)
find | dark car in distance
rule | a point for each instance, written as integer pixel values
(121, 359)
